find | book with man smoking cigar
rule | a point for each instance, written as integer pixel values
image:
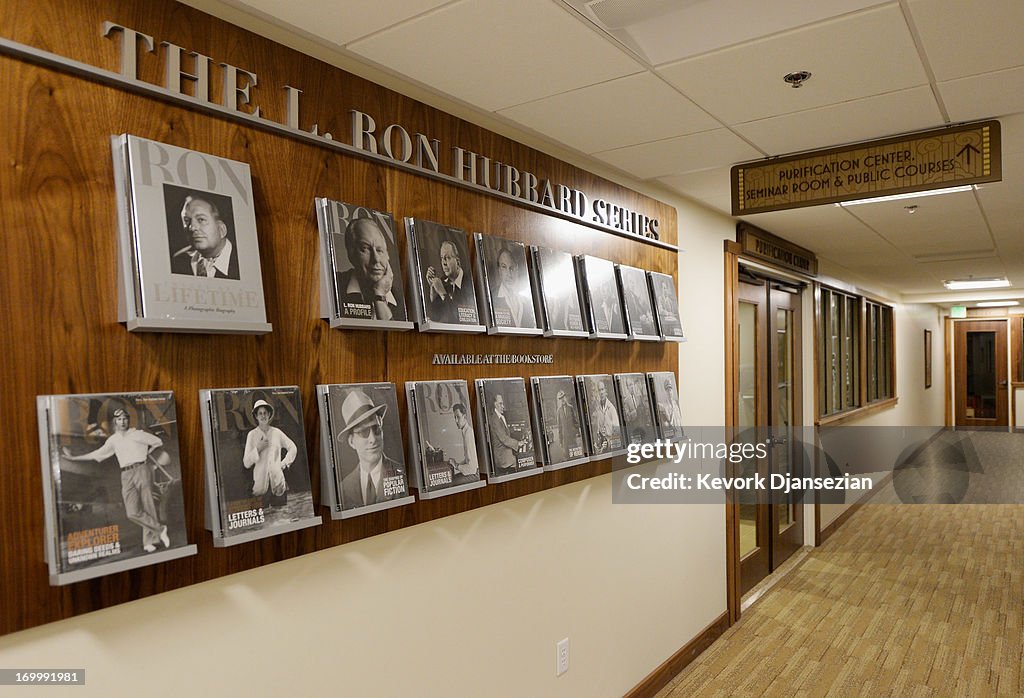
(188, 253)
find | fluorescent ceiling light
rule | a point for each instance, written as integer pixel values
(911, 195)
(973, 284)
(996, 304)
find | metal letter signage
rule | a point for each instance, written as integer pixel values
(935, 159)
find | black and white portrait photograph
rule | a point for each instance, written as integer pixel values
(604, 424)
(201, 233)
(506, 417)
(367, 432)
(666, 303)
(560, 418)
(559, 290)
(602, 292)
(635, 403)
(117, 478)
(365, 263)
(446, 440)
(259, 448)
(666, 404)
(507, 282)
(445, 274)
(637, 299)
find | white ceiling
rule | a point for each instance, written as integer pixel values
(677, 91)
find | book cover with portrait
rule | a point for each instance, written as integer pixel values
(258, 480)
(601, 296)
(505, 283)
(189, 254)
(444, 440)
(635, 406)
(112, 486)
(558, 292)
(667, 412)
(636, 299)
(666, 303)
(363, 268)
(442, 275)
(506, 429)
(601, 414)
(558, 420)
(367, 453)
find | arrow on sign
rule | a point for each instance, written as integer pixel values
(967, 149)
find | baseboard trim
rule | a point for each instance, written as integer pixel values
(663, 675)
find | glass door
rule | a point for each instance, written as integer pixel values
(981, 373)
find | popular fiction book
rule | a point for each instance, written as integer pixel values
(112, 488)
(364, 439)
(257, 473)
(189, 257)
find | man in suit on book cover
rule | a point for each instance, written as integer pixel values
(504, 446)
(451, 290)
(210, 252)
(367, 289)
(364, 481)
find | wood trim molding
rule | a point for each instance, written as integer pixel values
(858, 413)
(670, 668)
(732, 358)
(947, 344)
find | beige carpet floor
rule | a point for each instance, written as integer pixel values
(903, 600)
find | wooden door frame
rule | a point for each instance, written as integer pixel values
(950, 363)
(733, 255)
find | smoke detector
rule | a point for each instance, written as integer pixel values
(798, 78)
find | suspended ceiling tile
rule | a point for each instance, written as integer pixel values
(980, 268)
(338, 23)
(828, 231)
(984, 96)
(965, 38)
(852, 57)
(698, 151)
(949, 223)
(698, 27)
(630, 110)
(838, 124)
(710, 187)
(494, 54)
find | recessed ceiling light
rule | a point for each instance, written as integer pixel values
(910, 195)
(974, 284)
(996, 304)
(797, 78)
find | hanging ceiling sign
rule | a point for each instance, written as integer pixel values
(935, 159)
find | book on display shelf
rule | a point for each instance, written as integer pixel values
(441, 276)
(601, 298)
(188, 253)
(557, 293)
(505, 437)
(601, 416)
(636, 409)
(442, 443)
(667, 413)
(361, 281)
(505, 289)
(257, 471)
(666, 305)
(636, 299)
(112, 495)
(362, 457)
(557, 422)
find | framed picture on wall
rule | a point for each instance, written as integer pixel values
(927, 359)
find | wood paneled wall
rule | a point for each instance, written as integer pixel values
(59, 329)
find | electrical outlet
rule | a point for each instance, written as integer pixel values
(562, 657)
